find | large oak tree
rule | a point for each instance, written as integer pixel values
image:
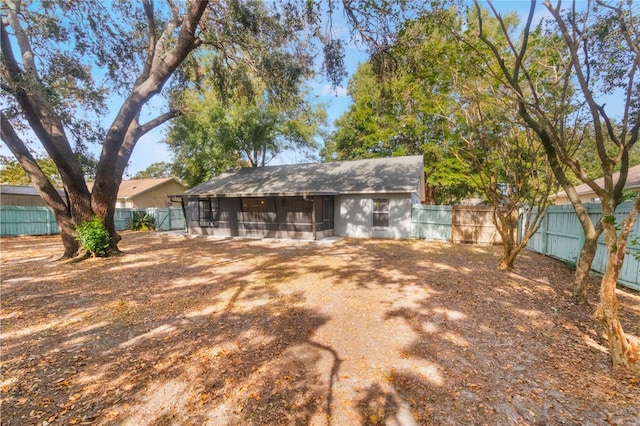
(64, 64)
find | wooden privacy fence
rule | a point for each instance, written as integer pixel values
(27, 220)
(561, 236)
(459, 224)
(38, 220)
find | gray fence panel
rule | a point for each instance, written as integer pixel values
(431, 222)
(561, 236)
(122, 217)
(27, 220)
(38, 220)
(161, 217)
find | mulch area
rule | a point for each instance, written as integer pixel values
(197, 330)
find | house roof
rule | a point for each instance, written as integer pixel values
(22, 190)
(134, 187)
(633, 182)
(377, 175)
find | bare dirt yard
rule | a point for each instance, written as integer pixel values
(193, 331)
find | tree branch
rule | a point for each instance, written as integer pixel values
(152, 124)
(45, 123)
(40, 181)
(147, 5)
(607, 163)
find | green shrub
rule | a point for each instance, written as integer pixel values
(141, 221)
(93, 236)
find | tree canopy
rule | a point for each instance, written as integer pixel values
(401, 116)
(249, 127)
(156, 171)
(12, 173)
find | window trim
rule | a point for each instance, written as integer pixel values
(379, 214)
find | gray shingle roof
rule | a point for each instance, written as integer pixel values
(377, 175)
(134, 187)
(23, 190)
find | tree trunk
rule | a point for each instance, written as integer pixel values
(587, 254)
(623, 352)
(508, 257)
(505, 222)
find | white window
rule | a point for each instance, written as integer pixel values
(381, 212)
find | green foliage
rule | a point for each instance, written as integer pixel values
(12, 173)
(249, 127)
(93, 236)
(634, 248)
(141, 221)
(409, 110)
(156, 171)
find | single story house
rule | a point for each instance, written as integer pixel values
(361, 198)
(588, 196)
(144, 193)
(17, 195)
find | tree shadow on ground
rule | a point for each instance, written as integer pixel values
(208, 331)
(173, 340)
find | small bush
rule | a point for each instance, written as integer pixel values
(141, 221)
(93, 236)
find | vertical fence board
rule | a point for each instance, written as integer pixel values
(474, 225)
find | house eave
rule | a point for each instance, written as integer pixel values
(256, 194)
(289, 194)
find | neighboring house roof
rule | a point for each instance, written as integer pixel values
(633, 182)
(23, 190)
(377, 175)
(134, 187)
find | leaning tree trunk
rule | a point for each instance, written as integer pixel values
(506, 225)
(587, 254)
(623, 352)
(509, 250)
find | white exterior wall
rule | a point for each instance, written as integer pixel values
(354, 215)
